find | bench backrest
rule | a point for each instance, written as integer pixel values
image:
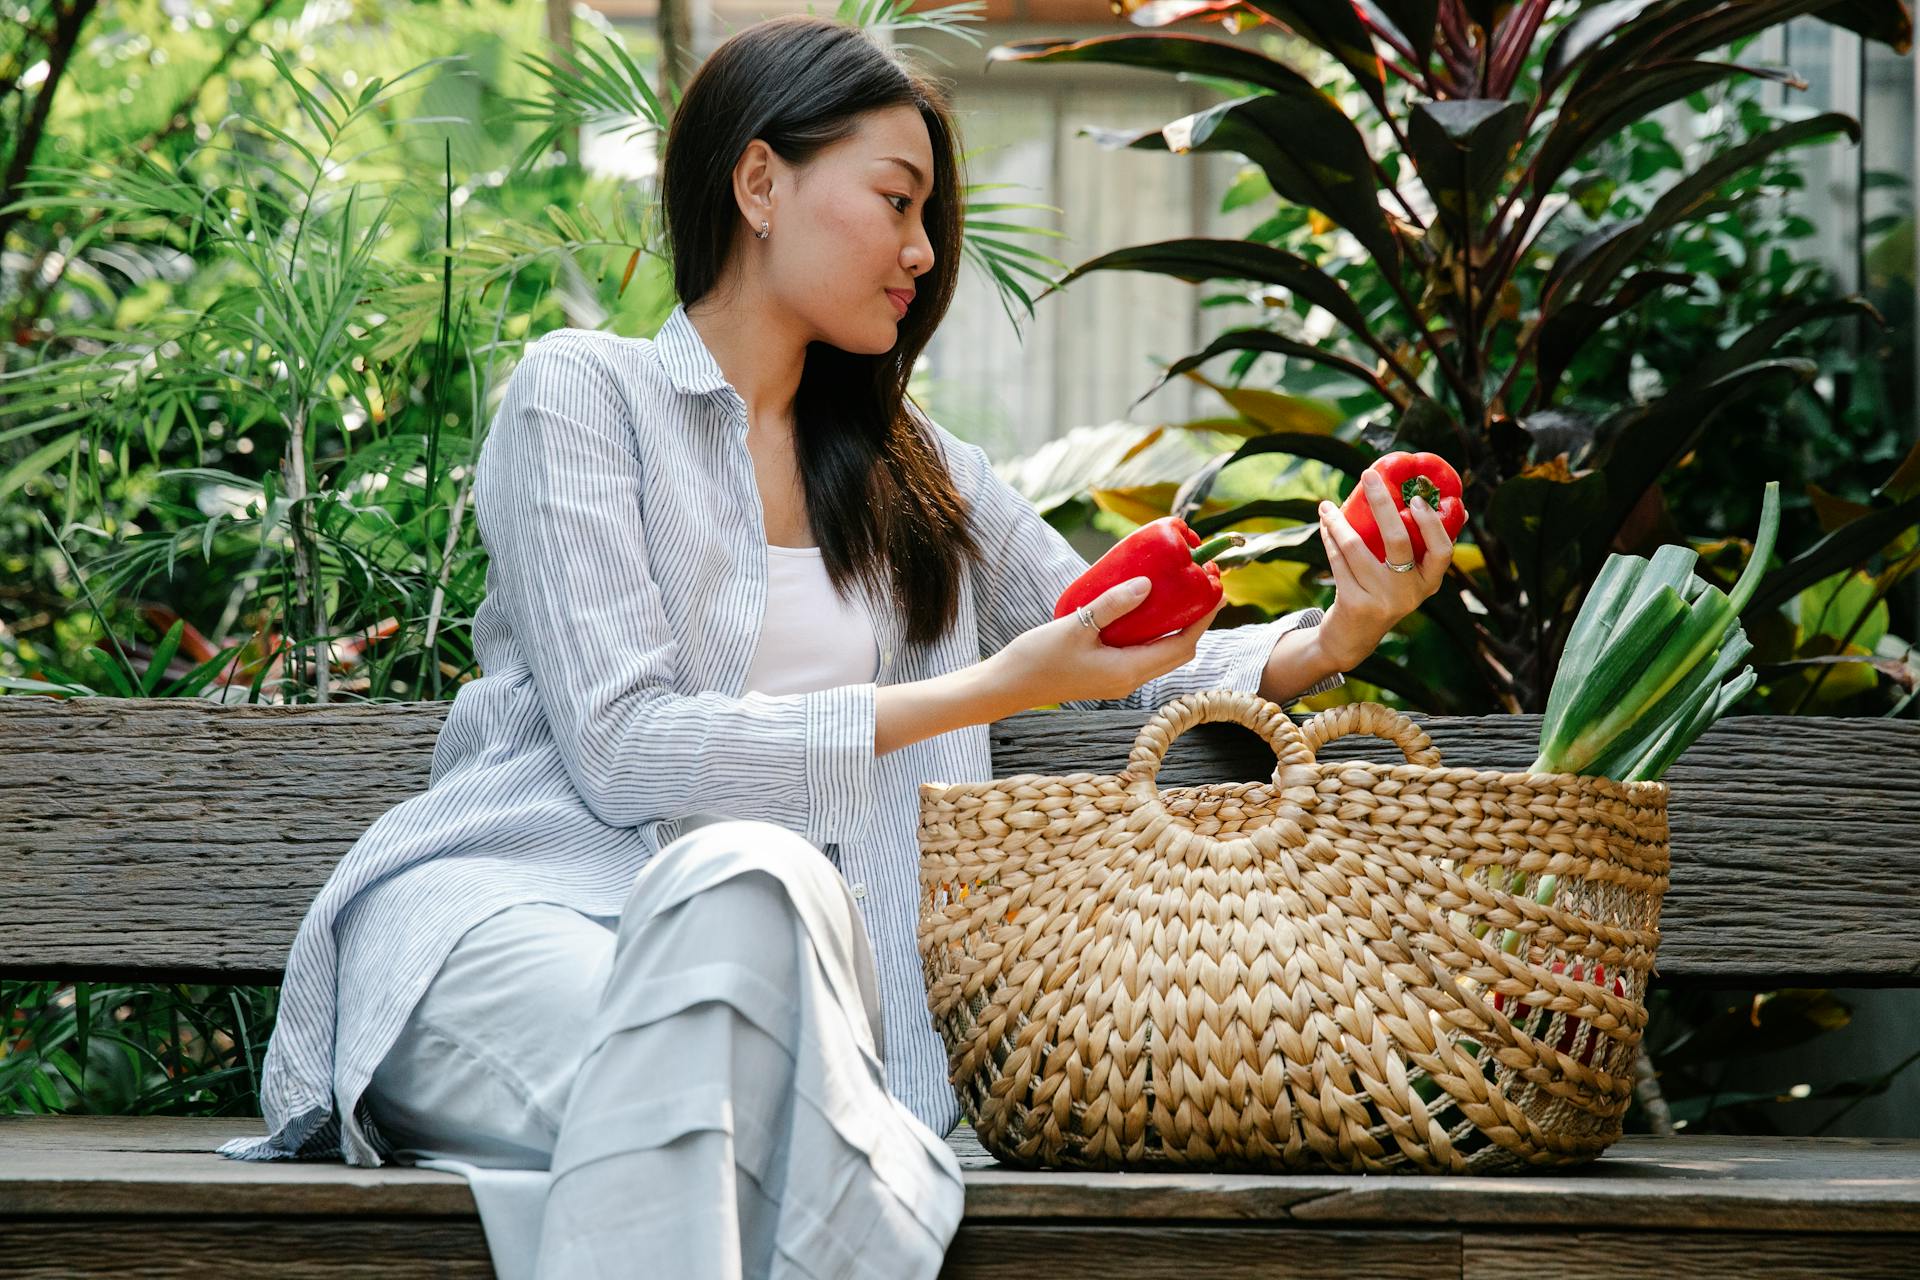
(181, 840)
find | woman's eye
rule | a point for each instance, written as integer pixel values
(900, 208)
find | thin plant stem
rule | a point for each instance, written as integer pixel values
(92, 604)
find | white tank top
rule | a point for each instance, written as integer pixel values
(811, 638)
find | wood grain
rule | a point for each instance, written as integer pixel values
(1001, 1251)
(58, 1166)
(299, 1248)
(182, 840)
(1705, 1255)
(272, 1248)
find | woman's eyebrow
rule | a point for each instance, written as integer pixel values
(909, 166)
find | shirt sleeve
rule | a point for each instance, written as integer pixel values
(558, 502)
(1028, 563)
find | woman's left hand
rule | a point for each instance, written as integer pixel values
(1369, 598)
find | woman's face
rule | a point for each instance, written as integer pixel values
(847, 229)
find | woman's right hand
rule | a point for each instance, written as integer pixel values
(1066, 661)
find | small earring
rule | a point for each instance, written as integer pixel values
(761, 234)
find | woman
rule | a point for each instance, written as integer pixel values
(652, 926)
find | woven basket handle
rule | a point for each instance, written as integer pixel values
(1371, 718)
(1212, 706)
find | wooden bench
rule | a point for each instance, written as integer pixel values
(182, 841)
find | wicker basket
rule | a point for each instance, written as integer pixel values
(1344, 968)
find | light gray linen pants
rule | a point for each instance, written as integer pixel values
(701, 1076)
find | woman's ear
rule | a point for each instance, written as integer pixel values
(753, 182)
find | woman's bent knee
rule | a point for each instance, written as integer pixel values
(752, 835)
(760, 843)
(749, 845)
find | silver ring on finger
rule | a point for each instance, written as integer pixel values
(1085, 614)
(1408, 567)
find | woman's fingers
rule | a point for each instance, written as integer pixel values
(1118, 600)
(1433, 531)
(1393, 531)
(1343, 580)
(1352, 551)
(1176, 650)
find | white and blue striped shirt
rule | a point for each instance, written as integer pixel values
(626, 584)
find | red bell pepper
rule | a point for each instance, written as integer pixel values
(1178, 564)
(1427, 474)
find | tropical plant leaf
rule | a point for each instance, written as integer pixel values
(1887, 21)
(36, 463)
(1599, 112)
(1890, 23)
(1076, 463)
(1763, 337)
(1413, 20)
(1172, 52)
(1461, 149)
(1644, 441)
(1549, 433)
(1199, 260)
(1541, 523)
(1304, 510)
(1848, 607)
(1277, 411)
(1567, 329)
(1268, 341)
(899, 16)
(1581, 35)
(1424, 426)
(1340, 30)
(1593, 272)
(1904, 483)
(1334, 452)
(1844, 548)
(1310, 151)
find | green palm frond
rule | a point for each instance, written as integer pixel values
(596, 84)
(894, 16)
(987, 246)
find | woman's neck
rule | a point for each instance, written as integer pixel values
(762, 358)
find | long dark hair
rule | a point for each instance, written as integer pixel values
(879, 497)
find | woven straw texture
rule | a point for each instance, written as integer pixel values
(1354, 966)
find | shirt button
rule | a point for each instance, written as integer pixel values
(860, 891)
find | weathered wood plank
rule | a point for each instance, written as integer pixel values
(180, 839)
(56, 1183)
(1005, 1251)
(274, 1248)
(1688, 1256)
(58, 1167)
(269, 1248)
(1649, 1184)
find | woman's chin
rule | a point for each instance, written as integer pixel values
(876, 343)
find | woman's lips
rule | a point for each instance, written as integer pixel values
(899, 302)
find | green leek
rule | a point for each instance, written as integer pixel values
(1645, 669)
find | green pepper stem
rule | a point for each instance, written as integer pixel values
(1214, 546)
(1422, 487)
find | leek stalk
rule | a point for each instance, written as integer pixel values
(1646, 666)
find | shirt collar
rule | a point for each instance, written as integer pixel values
(692, 368)
(688, 363)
